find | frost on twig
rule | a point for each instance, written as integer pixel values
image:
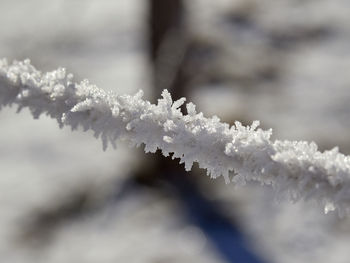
(238, 153)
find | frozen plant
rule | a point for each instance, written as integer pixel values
(238, 153)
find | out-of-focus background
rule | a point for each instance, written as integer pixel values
(62, 199)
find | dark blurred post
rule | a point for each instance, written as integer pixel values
(165, 16)
(167, 45)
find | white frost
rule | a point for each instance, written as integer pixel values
(297, 169)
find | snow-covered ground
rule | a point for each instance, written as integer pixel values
(305, 43)
(102, 40)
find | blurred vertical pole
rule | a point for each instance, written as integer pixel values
(165, 16)
(167, 45)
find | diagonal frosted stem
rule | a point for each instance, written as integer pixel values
(237, 153)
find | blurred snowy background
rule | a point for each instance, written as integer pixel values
(65, 200)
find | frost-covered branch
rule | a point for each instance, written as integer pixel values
(238, 153)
